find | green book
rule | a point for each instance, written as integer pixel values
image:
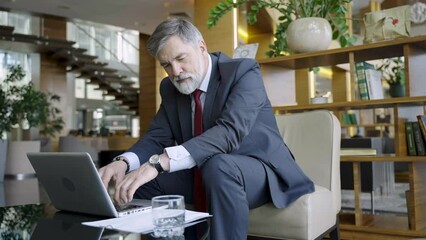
(409, 133)
(352, 117)
(346, 119)
(418, 139)
(361, 80)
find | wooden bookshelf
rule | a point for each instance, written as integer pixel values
(360, 225)
(377, 227)
(355, 105)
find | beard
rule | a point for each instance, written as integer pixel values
(193, 80)
(189, 85)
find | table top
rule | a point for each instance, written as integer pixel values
(26, 213)
(43, 221)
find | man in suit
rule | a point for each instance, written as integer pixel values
(242, 158)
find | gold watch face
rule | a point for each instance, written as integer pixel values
(154, 159)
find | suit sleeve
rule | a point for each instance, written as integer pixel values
(157, 137)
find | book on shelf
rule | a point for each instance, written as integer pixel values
(374, 82)
(409, 133)
(422, 124)
(361, 81)
(358, 152)
(418, 139)
(349, 119)
(361, 146)
(369, 81)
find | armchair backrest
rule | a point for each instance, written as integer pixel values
(72, 144)
(314, 139)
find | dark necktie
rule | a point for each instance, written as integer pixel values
(199, 195)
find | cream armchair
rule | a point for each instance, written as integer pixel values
(314, 139)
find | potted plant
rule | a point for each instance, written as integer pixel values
(24, 107)
(18, 222)
(333, 11)
(393, 72)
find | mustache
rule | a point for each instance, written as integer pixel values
(183, 76)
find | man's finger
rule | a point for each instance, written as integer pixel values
(105, 176)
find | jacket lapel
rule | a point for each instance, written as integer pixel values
(184, 112)
(211, 94)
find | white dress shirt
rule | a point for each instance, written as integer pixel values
(179, 157)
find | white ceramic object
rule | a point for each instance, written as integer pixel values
(309, 35)
(319, 100)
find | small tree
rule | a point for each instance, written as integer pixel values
(26, 107)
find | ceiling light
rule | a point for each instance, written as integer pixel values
(64, 7)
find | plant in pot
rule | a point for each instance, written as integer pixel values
(295, 22)
(24, 107)
(393, 72)
(18, 222)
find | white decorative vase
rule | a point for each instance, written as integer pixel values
(309, 35)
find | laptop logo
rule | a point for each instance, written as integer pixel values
(68, 184)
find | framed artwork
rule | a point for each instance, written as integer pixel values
(246, 51)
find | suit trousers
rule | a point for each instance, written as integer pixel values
(233, 185)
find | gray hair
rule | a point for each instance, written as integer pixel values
(180, 27)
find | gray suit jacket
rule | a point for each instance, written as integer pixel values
(238, 119)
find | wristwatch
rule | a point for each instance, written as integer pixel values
(154, 160)
(120, 158)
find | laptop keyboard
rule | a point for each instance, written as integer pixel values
(126, 207)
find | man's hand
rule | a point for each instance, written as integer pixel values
(113, 171)
(125, 189)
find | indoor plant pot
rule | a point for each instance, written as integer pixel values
(308, 35)
(24, 107)
(397, 90)
(393, 72)
(17, 164)
(334, 11)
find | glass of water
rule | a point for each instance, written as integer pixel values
(168, 215)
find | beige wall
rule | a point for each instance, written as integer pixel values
(220, 37)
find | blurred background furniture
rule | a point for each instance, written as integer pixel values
(73, 144)
(376, 177)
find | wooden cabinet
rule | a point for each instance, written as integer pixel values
(362, 225)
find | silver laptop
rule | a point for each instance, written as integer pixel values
(73, 184)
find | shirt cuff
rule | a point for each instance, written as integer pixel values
(133, 160)
(179, 158)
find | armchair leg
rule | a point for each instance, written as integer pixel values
(333, 232)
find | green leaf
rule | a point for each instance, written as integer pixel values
(222, 5)
(335, 34)
(343, 42)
